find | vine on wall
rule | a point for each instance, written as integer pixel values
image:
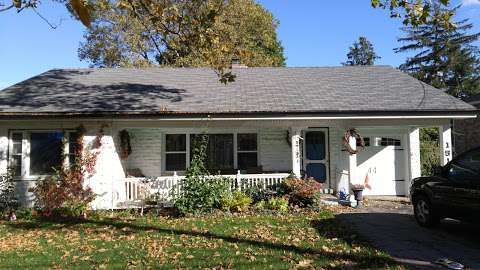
(125, 146)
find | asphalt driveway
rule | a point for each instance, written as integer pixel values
(390, 226)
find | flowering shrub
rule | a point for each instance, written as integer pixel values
(235, 202)
(299, 191)
(63, 193)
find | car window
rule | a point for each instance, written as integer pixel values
(466, 168)
(469, 161)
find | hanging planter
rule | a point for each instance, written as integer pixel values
(125, 146)
(346, 137)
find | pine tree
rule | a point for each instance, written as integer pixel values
(445, 56)
(361, 54)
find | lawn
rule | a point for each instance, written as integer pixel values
(303, 240)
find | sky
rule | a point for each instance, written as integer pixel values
(313, 33)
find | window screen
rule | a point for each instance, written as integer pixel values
(45, 152)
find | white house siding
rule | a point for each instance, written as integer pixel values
(108, 170)
(146, 151)
(275, 152)
(338, 161)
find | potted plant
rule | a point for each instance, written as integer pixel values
(358, 193)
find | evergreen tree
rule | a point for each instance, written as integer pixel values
(445, 56)
(361, 54)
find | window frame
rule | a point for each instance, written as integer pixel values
(186, 152)
(190, 133)
(378, 141)
(26, 150)
(237, 152)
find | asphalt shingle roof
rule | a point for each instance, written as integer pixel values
(197, 90)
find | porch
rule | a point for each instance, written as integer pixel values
(265, 156)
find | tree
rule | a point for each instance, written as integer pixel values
(416, 12)
(361, 54)
(80, 9)
(182, 34)
(445, 57)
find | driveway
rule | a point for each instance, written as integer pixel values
(390, 226)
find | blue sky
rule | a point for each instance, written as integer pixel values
(313, 32)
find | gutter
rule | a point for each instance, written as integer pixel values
(239, 116)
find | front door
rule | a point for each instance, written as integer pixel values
(315, 154)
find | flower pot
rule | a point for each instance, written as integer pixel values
(358, 194)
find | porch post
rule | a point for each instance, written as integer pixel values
(414, 166)
(352, 161)
(295, 133)
(445, 133)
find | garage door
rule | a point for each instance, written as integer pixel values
(381, 165)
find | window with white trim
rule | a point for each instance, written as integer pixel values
(247, 150)
(175, 152)
(16, 153)
(387, 141)
(220, 151)
(40, 152)
(46, 150)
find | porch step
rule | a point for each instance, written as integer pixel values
(328, 199)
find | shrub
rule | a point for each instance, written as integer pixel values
(299, 191)
(277, 204)
(25, 213)
(71, 209)
(8, 202)
(63, 193)
(199, 191)
(235, 202)
(257, 193)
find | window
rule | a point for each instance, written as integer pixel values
(16, 155)
(366, 140)
(72, 147)
(219, 152)
(175, 152)
(385, 141)
(247, 151)
(45, 152)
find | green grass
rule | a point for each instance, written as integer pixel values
(306, 240)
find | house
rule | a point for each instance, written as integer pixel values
(467, 131)
(268, 123)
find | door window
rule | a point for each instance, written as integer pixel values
(315, 144)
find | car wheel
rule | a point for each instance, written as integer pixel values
(424, 213)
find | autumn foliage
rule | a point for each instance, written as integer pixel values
(64, 193)
(301, 191)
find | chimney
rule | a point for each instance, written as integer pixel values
(236, 63)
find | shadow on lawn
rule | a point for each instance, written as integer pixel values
(328, 228)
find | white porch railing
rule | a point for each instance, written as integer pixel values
(132, 192)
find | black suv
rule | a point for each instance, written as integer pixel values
(452, 192)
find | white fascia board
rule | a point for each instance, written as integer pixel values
(306, 118)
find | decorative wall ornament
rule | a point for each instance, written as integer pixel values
(346, 137)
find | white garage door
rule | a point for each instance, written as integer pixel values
(381, 165)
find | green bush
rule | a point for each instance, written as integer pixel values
(429, 150)
(274, 204)
(257, 193)
(199, 191)
(25, 213)
(71, 209)
(235, 202)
